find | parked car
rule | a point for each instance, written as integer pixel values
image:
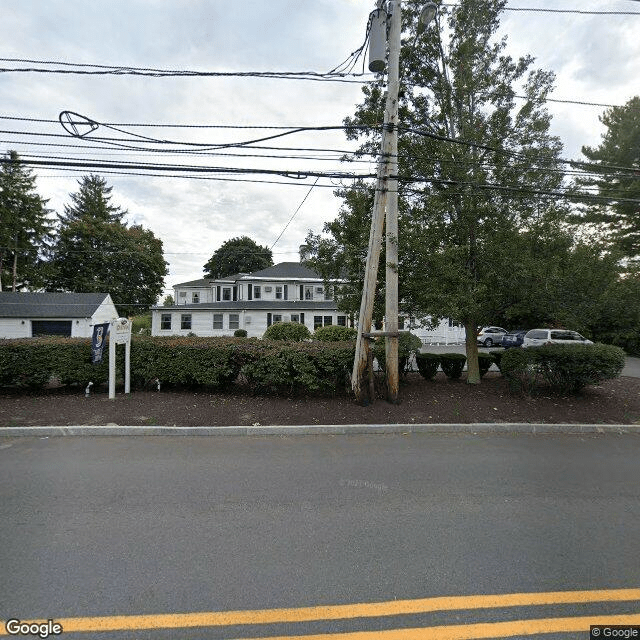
(513, 338)
(488, 336)
(538, 337)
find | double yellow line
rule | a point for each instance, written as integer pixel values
(380, 609)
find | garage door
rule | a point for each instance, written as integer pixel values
(51, 328)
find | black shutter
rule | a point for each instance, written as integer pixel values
(302, 318)
(286, 292)
(301, 292)
(218, 293)
(249, 292)
(268, 319)
(235, 294)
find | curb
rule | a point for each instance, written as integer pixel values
(258, 430)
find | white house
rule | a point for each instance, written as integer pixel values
(285, 292)
(24, 315)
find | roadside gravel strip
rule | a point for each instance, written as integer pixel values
(477, 428)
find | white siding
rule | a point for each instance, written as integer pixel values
(15, 328)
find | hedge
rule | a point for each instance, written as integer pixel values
(287, 331)
(214, 363)
(452, 364)
(428, 364)
(485, 360)
(565, 368)
(335, 333)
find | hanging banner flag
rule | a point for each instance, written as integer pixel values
(97, 344)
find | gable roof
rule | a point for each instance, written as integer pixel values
(285, 270)
(50, 305)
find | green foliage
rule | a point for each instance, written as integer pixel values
(620, 147)
(141, 325)
(408, 345)
(334, 333)
(168, 301)
(238, 255)
(96, 252)
(267, 366)
(294, 368)
(455, 235)
(452, 364)
(485, 360)
(428, 364)
(287, 331)
(189, 361)
(32, 362)
(565, 368)
(25, 231)
(497, 357)
(240, 333)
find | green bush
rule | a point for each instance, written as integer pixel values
(292, 368)
(215, 363)
(452, 364)
(287, 331)
(408, 344)
(485, 360)
(240, 333)
(186, 361)
(428, 364)
(335, 333)
(566, 368)
(497, 357)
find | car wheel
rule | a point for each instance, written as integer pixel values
(488, 342)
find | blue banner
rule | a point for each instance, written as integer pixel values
(97, 343)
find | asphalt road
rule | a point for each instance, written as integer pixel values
(125, 526)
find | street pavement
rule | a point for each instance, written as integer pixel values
(271, 528)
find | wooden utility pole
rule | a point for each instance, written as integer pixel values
(388, 161)
(391, 275)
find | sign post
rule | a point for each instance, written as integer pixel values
(120, 333)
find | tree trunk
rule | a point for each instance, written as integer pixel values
(15, 270)
(473, 368)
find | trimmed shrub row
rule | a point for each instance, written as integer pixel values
(566, 368)
(265, 365)
(452, 364)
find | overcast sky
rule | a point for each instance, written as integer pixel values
(596, 58)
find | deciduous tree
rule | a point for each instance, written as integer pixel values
(238, 255)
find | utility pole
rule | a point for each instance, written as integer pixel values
(386, 198)
(388, 159)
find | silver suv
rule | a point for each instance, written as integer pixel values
(538, 337)
(488, 336)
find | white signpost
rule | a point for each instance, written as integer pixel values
(119, 333)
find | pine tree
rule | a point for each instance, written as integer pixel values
(25, 230)
(616, 165)
(95, 251)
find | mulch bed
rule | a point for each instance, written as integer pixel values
(421, 401)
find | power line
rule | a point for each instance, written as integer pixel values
(75, 68)
(570, 11)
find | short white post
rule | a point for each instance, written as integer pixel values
(112, 364)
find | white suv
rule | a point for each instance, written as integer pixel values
(538, 337)
(488, 336)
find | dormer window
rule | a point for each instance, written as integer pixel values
(308, 293)
(195, 298)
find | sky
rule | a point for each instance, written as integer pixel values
(596, 59)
